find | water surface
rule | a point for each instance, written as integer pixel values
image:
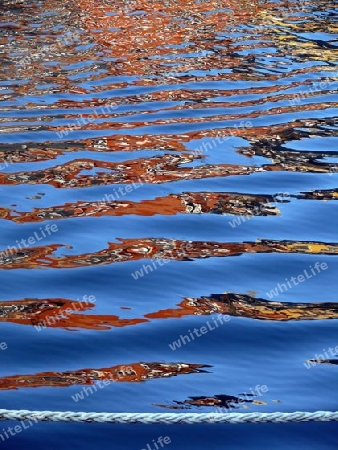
(167, 167)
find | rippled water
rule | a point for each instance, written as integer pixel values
(168, 167)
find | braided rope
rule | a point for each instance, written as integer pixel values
(167, 418)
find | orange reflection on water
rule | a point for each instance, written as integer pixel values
(188, 202)
(69, 314)
(154, 248)
(134, 372)
(59, 313)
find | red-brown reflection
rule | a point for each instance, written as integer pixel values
(134, 372)
(158, 169)
(134, 31)
(188, 203)
(156, 249)
(154, 170)
(69, 314)
(265, 142)
(243, 305)
(59, 313)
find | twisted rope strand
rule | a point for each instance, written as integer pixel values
(167, 418)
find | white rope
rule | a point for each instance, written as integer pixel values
(167, 418)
